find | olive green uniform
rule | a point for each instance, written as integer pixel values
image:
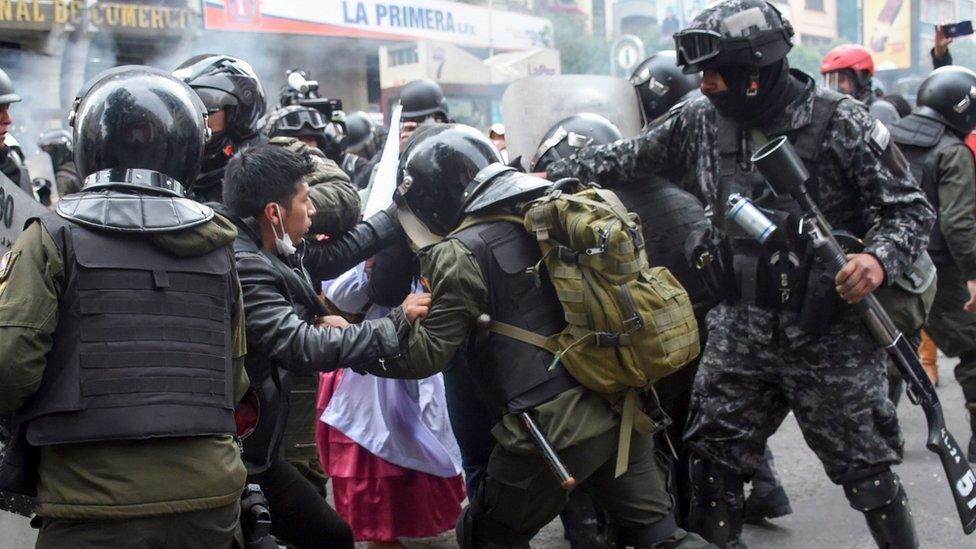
(182, 490)
(520, 493)
(952, 328)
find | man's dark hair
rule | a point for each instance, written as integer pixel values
(901, 104)
(262, 174)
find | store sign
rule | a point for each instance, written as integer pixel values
(888, 32)
(452, 22)
(114, 15)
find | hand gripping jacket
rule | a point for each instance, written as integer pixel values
(923, 137)
(142, 344)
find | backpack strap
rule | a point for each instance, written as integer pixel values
(524, 336)
(473, 220)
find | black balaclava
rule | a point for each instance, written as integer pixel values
(217, 152)
(774, 90)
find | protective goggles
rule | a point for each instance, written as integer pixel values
(697, 48)
(295, 120)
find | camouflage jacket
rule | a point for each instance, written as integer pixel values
(852, 180)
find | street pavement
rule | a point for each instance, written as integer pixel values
(821, 515)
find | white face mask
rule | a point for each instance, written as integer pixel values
(283, 244)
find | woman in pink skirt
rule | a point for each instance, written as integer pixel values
(387, 444)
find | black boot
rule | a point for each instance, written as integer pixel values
(882, 499)
(766, 506)
(768, 499)
(716, 504)
(581, 522)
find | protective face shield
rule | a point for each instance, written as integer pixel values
(532, 106)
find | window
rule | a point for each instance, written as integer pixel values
(815, 5)
(404, 56)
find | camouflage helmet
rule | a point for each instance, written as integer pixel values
(745, 33)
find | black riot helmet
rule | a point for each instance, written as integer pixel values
(300, 121)
(139, 118)
(569, 135)
(360, 135)
(438, 163)
(661, 84)
(423, 98)
(750, 33)
(949, 92)
(57, 144)
(7, 93)
(229, 84)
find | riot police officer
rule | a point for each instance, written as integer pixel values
(422, 101)
(57, 144)
(450, 174)
(769, 350)
(11, 164)
(235, 102)
(122, 334)
(660, 84)
(932, 139)
(849, 69)
(361, 143)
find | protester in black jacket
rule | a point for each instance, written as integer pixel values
(288, 330)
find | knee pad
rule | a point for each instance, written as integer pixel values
(873, 492)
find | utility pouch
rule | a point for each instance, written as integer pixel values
(708, 254)
(18, 470)
(821, 303)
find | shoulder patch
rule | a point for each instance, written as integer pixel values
(7, 264)
(879, 137)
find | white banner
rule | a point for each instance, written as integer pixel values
(452, 22)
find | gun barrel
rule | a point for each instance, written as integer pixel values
(782, 167)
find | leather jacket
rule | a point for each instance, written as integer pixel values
(281, 306)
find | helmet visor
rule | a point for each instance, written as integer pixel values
(696, 46)
(295, 120)
(839, 81)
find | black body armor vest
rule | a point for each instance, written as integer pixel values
(517, 373)
(923, 140)
(142, 346)
(774, 275)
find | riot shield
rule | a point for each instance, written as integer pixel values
(531, 106)
(16, 207)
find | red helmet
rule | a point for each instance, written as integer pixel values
(849, 56)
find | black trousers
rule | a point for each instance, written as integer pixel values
(300, 515)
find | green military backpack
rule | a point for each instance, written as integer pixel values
(628, 324)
